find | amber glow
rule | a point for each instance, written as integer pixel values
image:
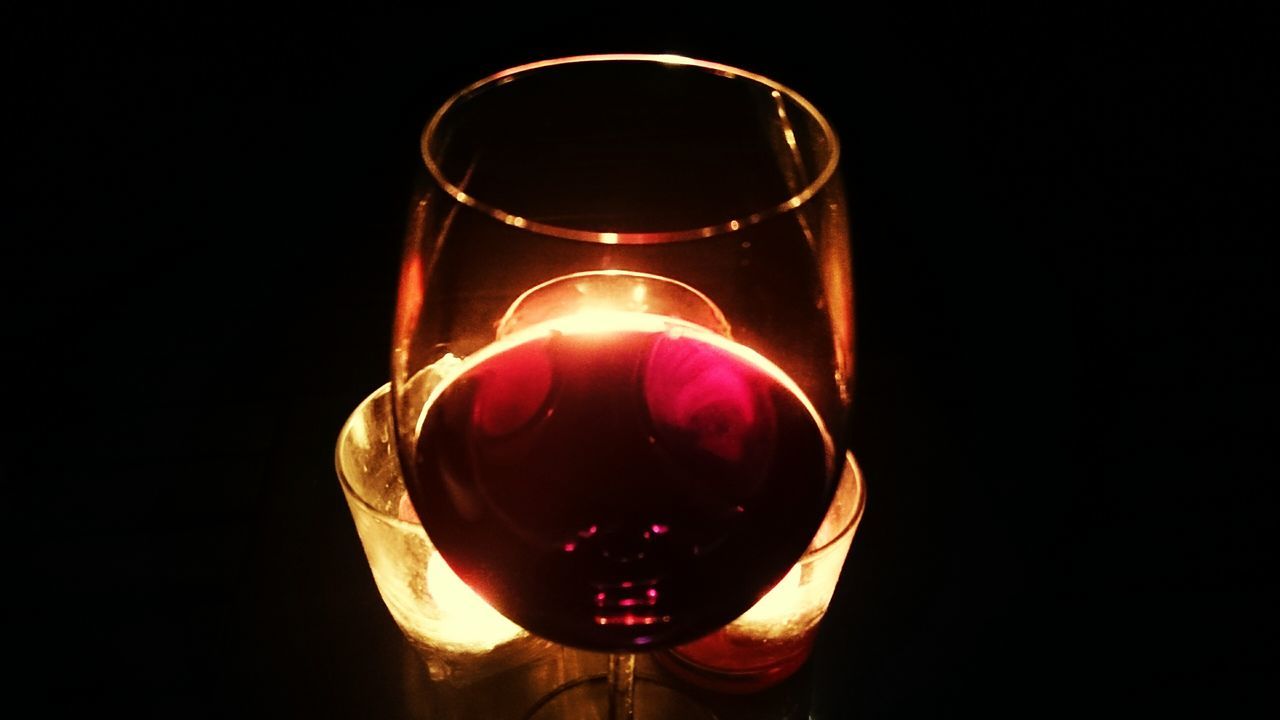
(612, 291)
(466, 619)
(409, 302)
(463, 620)
(786, 602)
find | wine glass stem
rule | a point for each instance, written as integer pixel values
(622, 686)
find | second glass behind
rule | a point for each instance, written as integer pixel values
(623, 343)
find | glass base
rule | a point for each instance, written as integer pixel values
(588, 699)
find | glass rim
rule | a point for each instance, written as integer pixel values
(778, 90)
(855, 515)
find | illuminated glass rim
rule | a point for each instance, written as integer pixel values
(634, 238)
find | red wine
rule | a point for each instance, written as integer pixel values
(622, 481)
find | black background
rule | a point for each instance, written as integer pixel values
(1063, 295)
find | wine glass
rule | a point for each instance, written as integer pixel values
(623, 345)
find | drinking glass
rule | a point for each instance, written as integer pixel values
(623, 345)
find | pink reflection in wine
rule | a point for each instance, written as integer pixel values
(695, 393)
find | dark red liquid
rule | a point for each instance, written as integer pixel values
(622, 488)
